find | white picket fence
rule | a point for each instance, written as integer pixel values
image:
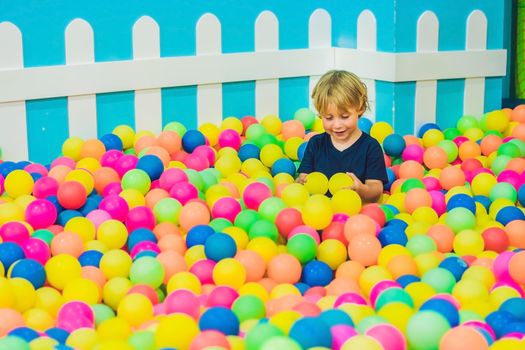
(81, 78)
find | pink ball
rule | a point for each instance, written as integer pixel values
(413, 152)
(350, 298)
(460, 139)
(230, 138)
(14, 231)
(115, 206)
(139, 217)
(254, 194)
(511, 177)
(431, 183)
(481, 325)
(110, 158)
(184, 191)
(205, 152)
(170, 177)
(36, 249)
(183, 301)
(159, 309)
(210, 339)
(45, 186)
(70, 163)
(227, 208)
(222, 296)
(40, 213)
(196, 162)
(500, 267)
(112, 188)
(125, 163)
(203, 270)
(380, 287)
(36, 168)
(340, 334)
(448, 297)
(98, 216)
(340, 217)
(439, 203)
(2, 184)
(307, 230)
(144, 246)
(146, 290)
(74, 315)
(387, 335)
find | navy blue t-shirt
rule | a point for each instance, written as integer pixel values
(364, 158)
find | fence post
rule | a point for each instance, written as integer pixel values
(81, 110)
(266, 39)
(476, 39)
(148, 103)
(426, 91)
(209, 97)
(319, 36)
(13, 139)
(367, 41)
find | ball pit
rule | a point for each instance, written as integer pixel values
(196, 239)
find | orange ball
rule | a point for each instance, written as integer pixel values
(11, 319)
(292, 128)
(490, 143)
(104, 176)
(359, 223)
(92, 148)
(411, 169)
(463, 337)
(253, 264)
(67, 243)
(173, 262)
(267, 283)
(443, 236)
(469, 149)
(516, 164)
(518, 114)
(519, 132)
(435, 157)
(340, 285)
(349, 270)
(161, 153)
(145, 141)
(173, 242)
(155, 195)
(94, 274)
(517, 267)
(417, 197)
(59, 172)
(451, 176)
(515, 231)
(401, 265)
(412, 140)
(170, 141)
(193, 213)
(165, 228)
(71, 194)
(364, 248)
(284, 268)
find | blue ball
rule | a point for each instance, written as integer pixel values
(92, 203)
(219, 319)
(35, 176)
(144, 253)
(455, 265)
(443, 307)
(283, 165)
(515, 306)
(66, 215)
(391, 176)
(462, 200)
(25, 333)
(365, 124)
(247, 151)
(198, 234)
(9, 253)
(192, 139)
(499, 320)
(59, 334)
(425, 127)
(397, 223)
(483, 200)
(392, 235)
(219, 246)
(405, 280)
(508, 214)
(54, 199)
(303, 287)
(311, 332)
(521, 195)
(31, 270)
(333, 317)
(394, 144)
(6, 167)
(140, 235)
(152, 165)
(301, 150)
(317, 273)
(90, 258)
(112, 141)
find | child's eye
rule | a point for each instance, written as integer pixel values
(345, 116)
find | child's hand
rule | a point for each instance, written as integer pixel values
(357, 183)
(301, 178)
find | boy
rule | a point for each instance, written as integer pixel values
(340, 98)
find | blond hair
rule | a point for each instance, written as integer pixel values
(344, 89)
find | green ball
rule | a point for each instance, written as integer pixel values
(509, 149)
(389, 213)
(219, 224)
(303, 247)
(268, 182)
(469, 315)
(136, 179)
(179, 128)
(247, 307)
(520, 144)
(393, 295)
(450, 148)
(442, 280)
(500, 163)
(421, 243)
(368, 322)
(467, 122)
(13, 343)
(411, 183)
(208, 179)
(142, 340)
(259, 334)
(425, 330)
(194, 177)
(130, 151)
(263, 228)
(271, 207)
(102, 312)
(167, 210)
(306, 116)
(255, 132)
(281, 342)
(503, 190)
(147, 270)
(459, 219)
(451, 133)
(265, 139)
(246, 218)
(43, 234)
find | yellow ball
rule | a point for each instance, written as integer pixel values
(7, 295)
(71, 147)
(508, 344)
(82, 338)
(114, 290)
(332, 252)
(228, 165)
(135, 308)
(362, 342)
(317, 212)
(427, 261)
(176, 331)
(48, 299)
(184, 280)
(134, 198)
(283, 178)
(89, 163)
(482, 184)
(25, 295)
(62, 268)
(194, 254)
(264, 246)
(420, 292)
(211, 131)
(18, 182)
(113, 234)
(481, 274)
(389, 252)
(501, 294)
(496, 120)
(294, 195)
(272, 124)
(10, 211)
(432, 137)
(291, 146)
(380, 131)
(468, 242)
(346, 201)
(425, 214)
(229, 272)
(339, 181)
(284, 289)
(83, 177)
(43, 343)
(239, 236)
(316, 183)
(115, 328)
(469, 290)
(82, 226)
(372, 275)
(284, 320)
(38, 319)
(126, 135)
(357, 312)
(398, 314)
(270, 153)
(232, 123)
(82, 289)
(256, 289)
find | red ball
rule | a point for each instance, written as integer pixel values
(287, 220)
(374, 211)
(71, 195)
(336, 230)
(246, 122)
(495, 239)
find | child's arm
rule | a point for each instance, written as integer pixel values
(301, 178)
(370, 191)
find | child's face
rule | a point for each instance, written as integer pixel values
(340, 124)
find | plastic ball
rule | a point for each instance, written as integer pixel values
(229, 272)
(317, 273)
(220, 319)
(284, 268)
(219, 246)
(147, 270)
(425, 329)
(303, 247)
(311, 332)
